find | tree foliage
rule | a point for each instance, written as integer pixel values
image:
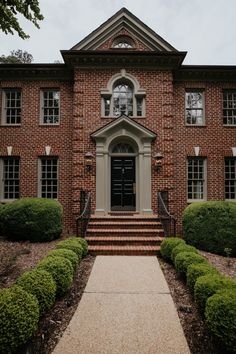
(17, 57)
(10, 9)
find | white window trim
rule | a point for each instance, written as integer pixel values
(3, 118)
(42, 90)
(204, 184)
(2, 199)
(39, 175)
(228, 200)
(107, 93)
(203, 109)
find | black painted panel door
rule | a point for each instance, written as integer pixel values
(123, 183)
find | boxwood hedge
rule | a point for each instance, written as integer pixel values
(71, 244)
(182, 248)
(65, 253)
(61, 270)
(210, 284)
(167, 246)
(39, 283)
(33, 219)
(197, 270)
(221, 318)
(184, 259)
(19, 316)
(211, 226)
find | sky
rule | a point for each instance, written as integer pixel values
(206, 29)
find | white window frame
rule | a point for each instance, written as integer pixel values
(191, 200)
(40, 175)
(56, 90)
(4, 108)
(202, 91)
(225, 91)
(234, 159)
(2, 180)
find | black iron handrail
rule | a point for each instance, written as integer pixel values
(168, 221)
(85, 213)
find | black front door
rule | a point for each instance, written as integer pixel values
(123, 183)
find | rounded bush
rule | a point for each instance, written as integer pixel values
(61, 270)
(73, 245)
(33, 219)
(210, 284)
(197, 270)
(65, 253)
(184, 259)
(167, 246)
(211, 226)
(40, 284)
(182, 248)
(19, 316)
(84, 244)
(221, 318)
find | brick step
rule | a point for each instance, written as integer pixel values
(124, 225)
(124, 250)
(124, 240)
(124, 232)
(125, 218)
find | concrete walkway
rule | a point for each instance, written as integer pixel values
(126, 309)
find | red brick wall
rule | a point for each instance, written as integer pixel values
(29, 140)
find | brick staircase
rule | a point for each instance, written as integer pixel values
(119, 234)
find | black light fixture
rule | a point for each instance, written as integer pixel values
(88, 160)
(158, 161)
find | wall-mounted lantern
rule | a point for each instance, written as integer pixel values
(88, 161)
(158, 161)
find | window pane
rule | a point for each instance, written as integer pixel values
(12, 106)
(11, 181)
(123, 100)
(49, 177)
(196, 178)
(229, 108)
(50, 108)
(194, 108)
(230, 178)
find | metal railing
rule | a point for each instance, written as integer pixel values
(85, 213)
(168, 221)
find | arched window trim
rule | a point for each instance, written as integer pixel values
(107, 95)
(123, 39)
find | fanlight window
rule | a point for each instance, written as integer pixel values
(123, 43)
(122, 148)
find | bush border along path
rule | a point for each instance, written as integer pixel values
(11, 339)
(215, 284)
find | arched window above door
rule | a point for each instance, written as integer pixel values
(122, 148)
(123, 96)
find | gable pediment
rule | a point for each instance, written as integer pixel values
(124, 20)
(123, 124)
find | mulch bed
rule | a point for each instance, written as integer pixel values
(17, 257)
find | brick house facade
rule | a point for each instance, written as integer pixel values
(122, 97)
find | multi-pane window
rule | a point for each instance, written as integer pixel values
(123, 101)
(194, 107)
(229, 107)
(48, 177)
(11, 106)
(196, 178)
(230, 178)
(50, 106)
(10, 188)
(123, 43)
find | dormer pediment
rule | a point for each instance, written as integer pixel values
(125, 24)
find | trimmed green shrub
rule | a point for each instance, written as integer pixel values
(184, 259)
(39, 283)
(84, 244)
(73, 245)
(33, 219)
(61, 270)
(210, 284)
(19, 316)
(167, 246)
(1, 223)
(197, 270)
(182, 248)
(221, 317)
(211, 226)
(65, 253)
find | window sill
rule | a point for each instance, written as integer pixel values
(229, 125)
(6, 201)
(230, 200)
(49, 124)
(189, 201)
(10, 125)
(113, 117)
(195, 125)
